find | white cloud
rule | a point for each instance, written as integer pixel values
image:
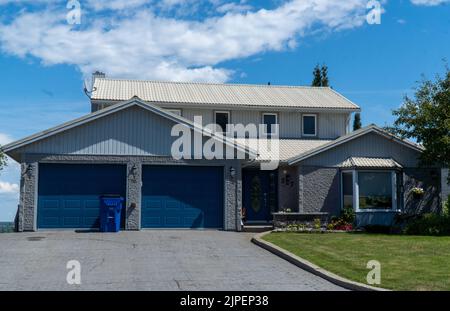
(149, 46)
(429, 2)
(6, 187)
(5, 139)
(234, 7)
(100, 5)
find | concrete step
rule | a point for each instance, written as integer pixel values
(257, 228)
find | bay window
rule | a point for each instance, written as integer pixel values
(369, 190)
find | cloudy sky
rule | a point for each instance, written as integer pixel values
(45, 58)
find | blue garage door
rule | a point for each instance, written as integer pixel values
(182, 197)
(69, 193)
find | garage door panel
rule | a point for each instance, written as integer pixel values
(185, 194)
(69, 194)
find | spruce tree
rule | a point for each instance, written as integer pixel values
(317, 80)
(325, 81)
(357, 121)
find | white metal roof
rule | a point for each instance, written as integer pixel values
(221, 94)
(288, 148)
(369, 162)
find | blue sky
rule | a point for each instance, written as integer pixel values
(44, 61)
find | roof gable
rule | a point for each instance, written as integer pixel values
(352, 136)
(104, 113)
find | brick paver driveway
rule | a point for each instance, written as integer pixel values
(147, 260)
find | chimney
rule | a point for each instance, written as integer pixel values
(95, 75)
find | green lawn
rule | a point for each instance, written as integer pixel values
(407, 262)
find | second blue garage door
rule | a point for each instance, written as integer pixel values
(182, 197)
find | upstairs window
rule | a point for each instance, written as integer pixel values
(269, 120)
(222, 118)
(309, 125)
(175, 111)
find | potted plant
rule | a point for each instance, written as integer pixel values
(417, 192)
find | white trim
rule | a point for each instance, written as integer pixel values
(315, 124)
(355, 183)
(225, 130)
(355, 191)
(269, 114)
(393, 191)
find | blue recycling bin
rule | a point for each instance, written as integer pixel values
(110, 212)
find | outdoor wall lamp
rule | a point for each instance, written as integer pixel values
(232, 172)
(133, 171)
(28, 171)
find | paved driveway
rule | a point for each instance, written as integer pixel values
(147, 260)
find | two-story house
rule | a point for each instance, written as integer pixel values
(125, 146)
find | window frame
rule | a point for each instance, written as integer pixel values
(228, 113)
(263, 123)
(171, 110)
(315, 124)
(355, 182)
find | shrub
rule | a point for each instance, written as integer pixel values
(429, 224)
(446, 207)
(377, 229)
(348, 214)
(317, 223)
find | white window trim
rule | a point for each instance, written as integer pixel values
(356, 191)
(173, 110)
(222, 111)
(315, 124)
(269, 114)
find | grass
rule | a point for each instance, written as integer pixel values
(407, 262)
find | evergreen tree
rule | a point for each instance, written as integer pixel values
(325, 81)
(357, 121)
(317, 81)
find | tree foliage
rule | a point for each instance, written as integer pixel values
(317, 80)
(325, 81)
(2, 159)
(357, 122)
(426, 118)
(320, 76)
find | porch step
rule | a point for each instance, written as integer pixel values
(257, 228)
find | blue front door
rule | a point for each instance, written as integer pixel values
(182, 197)
(260, 194)
(69, 194)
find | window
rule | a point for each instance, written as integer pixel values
(375, 190)
(309, 125)
(175, 111)
(370, 190)
(269, 120)
(222, 118)
(347, 189)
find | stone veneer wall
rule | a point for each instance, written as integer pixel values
(319, 190)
